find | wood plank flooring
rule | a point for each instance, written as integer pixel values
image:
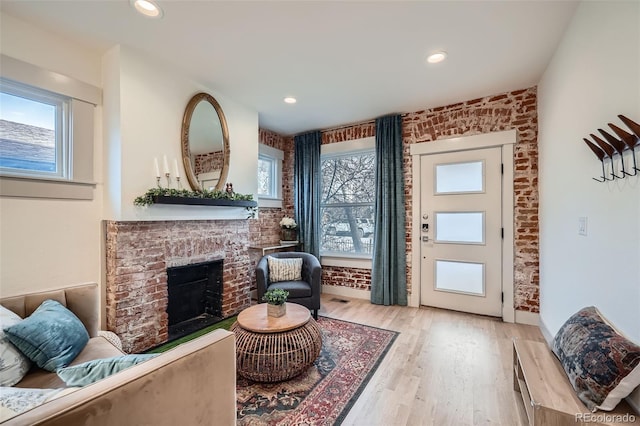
(445, 367)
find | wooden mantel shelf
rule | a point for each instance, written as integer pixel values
(162, 199)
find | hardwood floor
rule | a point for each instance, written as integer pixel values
(445, 367)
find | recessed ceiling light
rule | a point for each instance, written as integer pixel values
(290, 100)
(437, 57)
(147, 8)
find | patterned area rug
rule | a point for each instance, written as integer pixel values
(325, 393)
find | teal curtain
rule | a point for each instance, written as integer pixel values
(389, 273)
(307, 190)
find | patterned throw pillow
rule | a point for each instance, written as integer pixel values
(284, 269)
(13, 364)
(603, 366)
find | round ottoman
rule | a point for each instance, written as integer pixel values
(275, 349)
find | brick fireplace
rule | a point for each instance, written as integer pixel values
(137, 257)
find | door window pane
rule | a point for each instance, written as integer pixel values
(459, 177)
(460, 277)
(459, 227)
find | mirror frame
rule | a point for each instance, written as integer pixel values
(186, 150)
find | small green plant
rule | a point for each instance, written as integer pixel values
(148, 198)
(277, 296)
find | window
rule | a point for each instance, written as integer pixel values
(46, 133)
(347, 199)
(33, 132)
(267, 176)
(270, 177)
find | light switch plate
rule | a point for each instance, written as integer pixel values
(582, 226)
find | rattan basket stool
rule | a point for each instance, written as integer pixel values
(275, 349)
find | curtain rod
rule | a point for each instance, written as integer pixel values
(359, 123)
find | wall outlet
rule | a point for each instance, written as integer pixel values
(582, 226)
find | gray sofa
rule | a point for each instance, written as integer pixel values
(192, 384)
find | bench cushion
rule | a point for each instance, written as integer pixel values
(602, 365)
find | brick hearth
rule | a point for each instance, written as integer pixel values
(137, 257)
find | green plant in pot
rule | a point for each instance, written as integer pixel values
(276, 298)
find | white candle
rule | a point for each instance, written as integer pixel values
(166, 165)
(155, 162)
(175, 163)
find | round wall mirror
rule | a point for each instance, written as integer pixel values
(205, 143)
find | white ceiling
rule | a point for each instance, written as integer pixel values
(345, 61)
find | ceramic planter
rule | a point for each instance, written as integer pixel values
(276, 311)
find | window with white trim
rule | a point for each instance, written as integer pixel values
(34, 136)
(46, 133)
(270, 176)
(347, 199)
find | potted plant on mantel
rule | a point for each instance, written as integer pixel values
(276, 298)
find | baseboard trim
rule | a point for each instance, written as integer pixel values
(634, 400)
(346, 292)
(545, 332)
(529, 318)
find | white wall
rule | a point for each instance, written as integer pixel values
(593, 77)
(47, 243)
(146, 101)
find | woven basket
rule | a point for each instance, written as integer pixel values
(274, 357)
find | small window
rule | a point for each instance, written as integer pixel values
(267, 177)
(46, 133)
(33, 132)
(270, 177)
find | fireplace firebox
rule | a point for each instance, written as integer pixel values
(195, 297)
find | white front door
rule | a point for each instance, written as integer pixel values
(461, 231)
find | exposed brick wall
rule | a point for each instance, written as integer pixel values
(269, 217)
(348, 133)
(138, 254)
(205, 163)
(506, 111)
(356, 278)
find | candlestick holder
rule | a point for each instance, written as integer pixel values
(168, 176)
(158, 181)
(178, 182)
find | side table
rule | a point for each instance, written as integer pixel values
(275, 349)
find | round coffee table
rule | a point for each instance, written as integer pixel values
(274, 349)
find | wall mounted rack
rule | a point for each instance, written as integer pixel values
(613, 150)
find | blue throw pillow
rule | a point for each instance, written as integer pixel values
(52, 336)
(92, 371)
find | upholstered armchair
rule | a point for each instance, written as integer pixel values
(305, 292)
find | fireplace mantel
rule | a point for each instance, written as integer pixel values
(195, 201)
